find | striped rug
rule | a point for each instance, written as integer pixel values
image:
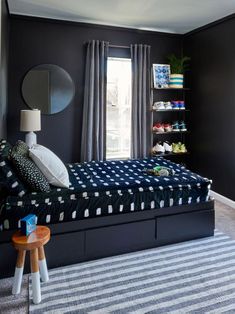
(191, 277)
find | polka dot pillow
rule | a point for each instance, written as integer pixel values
(27, 169)
(8, 177)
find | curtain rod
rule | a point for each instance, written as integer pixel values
(117, 46)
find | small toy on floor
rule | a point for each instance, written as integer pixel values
(160, 171)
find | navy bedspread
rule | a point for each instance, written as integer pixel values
(105, 188)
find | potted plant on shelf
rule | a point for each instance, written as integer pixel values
(178, 66)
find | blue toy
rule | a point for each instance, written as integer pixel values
(28, 224)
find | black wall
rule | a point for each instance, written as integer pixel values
(34, 41)
(212, 78)
(213, 104)
(4, 29)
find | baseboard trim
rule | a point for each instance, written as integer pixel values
(222, 199)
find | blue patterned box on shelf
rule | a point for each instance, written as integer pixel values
(161, 75)
(28, 224)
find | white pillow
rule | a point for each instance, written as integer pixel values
(50, 165)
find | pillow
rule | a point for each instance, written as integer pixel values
(27, 170)
(50, 165)
(20, 148)
(8, 176)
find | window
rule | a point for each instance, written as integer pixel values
(118, 137)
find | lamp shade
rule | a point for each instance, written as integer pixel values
(30, 120)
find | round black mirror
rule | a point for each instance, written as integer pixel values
(48, 87)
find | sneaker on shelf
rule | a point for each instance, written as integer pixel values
(179, 148)
(175, 105)
(182, 126)
(159, 105)
(168, 147)
(175, 126)
(176, 148)
(181, 105)
(168, 127)
(183, 148)
(158, 127)
(168, 105)
(158, 148)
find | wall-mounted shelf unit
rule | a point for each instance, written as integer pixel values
(168, 88)
(170, 116)
(170, 133)
(170, 154)
(171, 110)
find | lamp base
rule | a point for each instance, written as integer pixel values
(30, 139)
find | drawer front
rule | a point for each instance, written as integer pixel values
(65, 249)
(120, 239)
(182, 227)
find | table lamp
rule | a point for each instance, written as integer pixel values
(30, 121)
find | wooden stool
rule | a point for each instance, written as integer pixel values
(33, 243)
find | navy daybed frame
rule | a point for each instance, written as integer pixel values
(93, 238)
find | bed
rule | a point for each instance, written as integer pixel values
(113, 207)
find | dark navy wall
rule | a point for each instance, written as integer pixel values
(212, 139)
(36, 41)
(4, 29)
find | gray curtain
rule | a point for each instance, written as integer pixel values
(141, 101)
(94, 104)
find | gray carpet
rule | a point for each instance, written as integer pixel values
(225, 221)
(191, 277)
(10, 304)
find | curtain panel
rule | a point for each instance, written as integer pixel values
(93, 142)
(141, 130)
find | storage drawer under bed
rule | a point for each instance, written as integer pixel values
(119, 239)
(186, 226)
(162, 230)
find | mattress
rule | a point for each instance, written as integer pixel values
(108, 188)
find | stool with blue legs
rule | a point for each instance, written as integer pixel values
(34, 243)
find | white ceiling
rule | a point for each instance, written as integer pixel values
(174, 16)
